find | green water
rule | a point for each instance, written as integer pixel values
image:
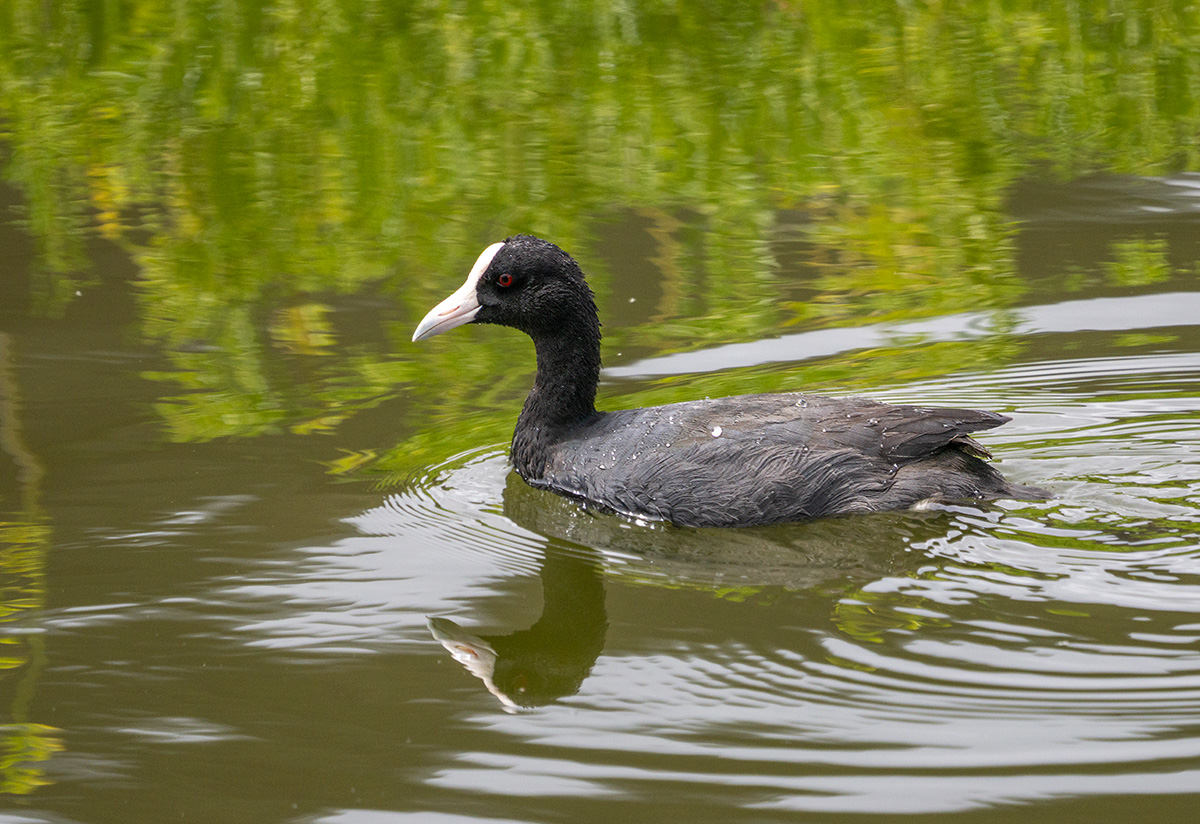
(233, 494)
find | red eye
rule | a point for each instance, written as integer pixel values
(505, 279)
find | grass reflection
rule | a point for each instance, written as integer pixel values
(24, 544)
(800, 165)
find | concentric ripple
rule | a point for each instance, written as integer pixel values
(919, 662)
(934, 661)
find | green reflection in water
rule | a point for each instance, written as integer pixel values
(24, 542)
(1139, 262)
(797, 165)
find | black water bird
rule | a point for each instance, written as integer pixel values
(740, 461)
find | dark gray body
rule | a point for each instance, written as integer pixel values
(760, 459)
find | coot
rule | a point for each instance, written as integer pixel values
(741, 461)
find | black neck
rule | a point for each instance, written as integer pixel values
(564, 391)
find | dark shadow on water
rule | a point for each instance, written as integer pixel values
(1106, 234)
(551, 659)
(1107, 199)
(797, 556)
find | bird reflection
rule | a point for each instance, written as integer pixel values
(549, 660)
(794, 557)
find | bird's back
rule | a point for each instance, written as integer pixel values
(759, 459)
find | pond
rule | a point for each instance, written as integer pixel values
(264, 559)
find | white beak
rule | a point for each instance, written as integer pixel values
(462, 306)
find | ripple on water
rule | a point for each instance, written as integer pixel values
(895, 663)
(458, 504)
(437, 540)
(966, 657)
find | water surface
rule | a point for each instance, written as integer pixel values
(262, 559)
